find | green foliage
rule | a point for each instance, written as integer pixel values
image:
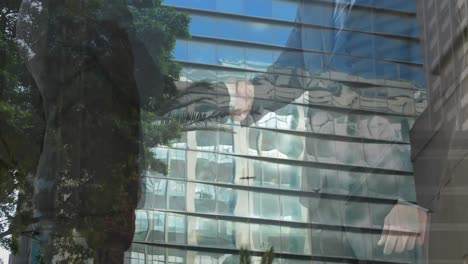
(22, 122)
(20, 131)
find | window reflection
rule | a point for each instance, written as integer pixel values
(205, 198)
(206, 231)
(206, 167)
(176, 228)
(229, 28)
(227, 200)
(157, 232)
(284, 9)
(176, 194)
(259, 8)
(388, 156)
(141, 225)
(265, 236)
(155, 190)
(294, 240)
(265, 205)
(292, 209)
(233, 6)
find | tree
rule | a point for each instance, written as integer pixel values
(21, 128)
(103, 77)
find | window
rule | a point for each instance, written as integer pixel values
(229, 55)
(293, 240)
(141, 225)
(176, 228)
(227, 200)
(201, 52)
(155, 193)
(232, 6)
(198, 25)
(177, 163)
(206, 231)
(259, 8)
(291, 209)
(157, 232)
(259, 32)
(205, 198)
(137, 258)
(265, 236)
(227, 233)
(230, 28)
(285, 9)
(176, 194)
(265, 205)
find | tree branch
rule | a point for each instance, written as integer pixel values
(6, 233)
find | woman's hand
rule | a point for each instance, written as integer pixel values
(404, 227)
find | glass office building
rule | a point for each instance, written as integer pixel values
(322, 157)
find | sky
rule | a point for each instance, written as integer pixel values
(4, 255)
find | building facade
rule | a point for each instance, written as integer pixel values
(439, 136)
(324, 153)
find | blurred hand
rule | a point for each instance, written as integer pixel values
(242, 95)
(404, 226)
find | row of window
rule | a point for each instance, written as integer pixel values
(322, 122)
(198, 231)
(279, 145)
(302, 63)
(210, 199)
(308, 38)
(317, 13)
(218, 168)
(149, 254)
(284, 88)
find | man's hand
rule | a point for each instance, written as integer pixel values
(242, 96)
(404, 226)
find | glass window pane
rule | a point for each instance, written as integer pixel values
(180, 50)
(141, 225)
(265, 205)
(227, 200)
(158, 227)
(294, 240)
(227, 234)
(313, 39)
(258, 59)
(265, 236)
(176, 230)
(259, 8)
(285, 9)
(206, 231)
(259, 33)
(232, 56)
(292, 209)
(206, 167)
(231, 6)
(176, 193)
(176, 2)
(317, 14)
(230, 28)
(320, 150)
(203, 4)
(155, 193)
(201, 52)
(388, 156)
(199, 25)
(289, 176)
(177, 168)
(205, 198)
